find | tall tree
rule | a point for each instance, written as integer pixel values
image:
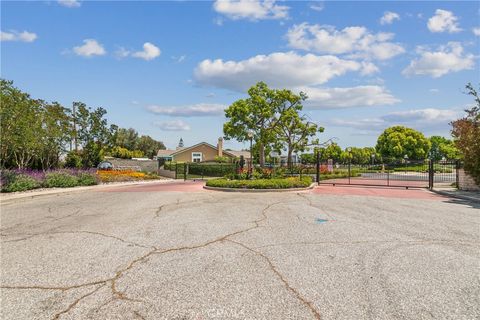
(397, 141)
(442, 148)
(295, 132)
(466, 132)
(252, 114)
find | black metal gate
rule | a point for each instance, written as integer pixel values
(407, 174)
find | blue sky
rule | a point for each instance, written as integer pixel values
(168, 69)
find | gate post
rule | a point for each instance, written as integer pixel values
(457, 168)
(176, 170)
(185, 168)
(430, 174)
(318, 167)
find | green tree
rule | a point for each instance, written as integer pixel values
(332, 151)
(149, 146)
(466, 132)
(442, 148)
(127, 138)
(294, 131)
(260, 114)
(397, 141)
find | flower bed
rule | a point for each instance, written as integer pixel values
(23, 180)
(124, 175)
(282, 183)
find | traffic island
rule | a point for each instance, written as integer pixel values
(260, 185)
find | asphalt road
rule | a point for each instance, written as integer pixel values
(209, 255)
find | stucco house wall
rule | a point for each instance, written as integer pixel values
(208, 153)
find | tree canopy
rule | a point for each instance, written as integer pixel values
(397, 141)
(38, 134)
(466, 133)
(273, 117)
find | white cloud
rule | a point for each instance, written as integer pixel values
(150, 51)
(360, 96)
(389, 17)
(174, 125)
(251, 9)
(69, 3)
(122, 53)
(179, 59)
(476, 31)
(421, 119)
(24, 36)
(443, 21)
(90, 48)
(449, 58)
(195, 110)
(357, 41)
(433, 90)
(279, 69)
(317, 6)
(431, 116)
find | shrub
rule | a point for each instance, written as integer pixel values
(222, 159)
(284, 183)
(86, 179)
(60, 180)
(18, 182)
(73, 160)
(211, 169)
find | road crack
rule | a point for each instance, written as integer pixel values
(282, 278)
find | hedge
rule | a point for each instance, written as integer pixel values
(211, 170)
(285, 183)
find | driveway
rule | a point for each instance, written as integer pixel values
(153, 253)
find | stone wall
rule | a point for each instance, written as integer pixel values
(143, 165)
(466, 182)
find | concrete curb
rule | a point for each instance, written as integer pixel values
(53, 191)
(458, 196)
(259, 190)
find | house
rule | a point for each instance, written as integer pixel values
(201, 152)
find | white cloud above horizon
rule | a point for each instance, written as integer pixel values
(356, 41)
(90, 47)
(194, 110)
(476, 31)
(443, 21)
(389, 17)
(425, 120)
(173, 125)
(251, 9)
(13, 35)
(149, 52)
(69, 3)
(278, 69)
(348, 97)
(448, 58)
(317, 6)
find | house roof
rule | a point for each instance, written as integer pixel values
(170, 153)
(245, 154)
(165, 153)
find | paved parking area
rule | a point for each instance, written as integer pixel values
(149, 252)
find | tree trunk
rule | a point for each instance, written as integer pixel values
(261, 160)
(289, 157)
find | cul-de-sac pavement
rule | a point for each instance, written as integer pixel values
(176, 251)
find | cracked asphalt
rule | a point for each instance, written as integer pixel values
(212, 255)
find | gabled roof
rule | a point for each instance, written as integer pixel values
(165, 153)
(199, 144)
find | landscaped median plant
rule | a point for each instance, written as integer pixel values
(280, 183)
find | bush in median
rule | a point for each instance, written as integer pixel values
(12, 182)
(285, 183)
